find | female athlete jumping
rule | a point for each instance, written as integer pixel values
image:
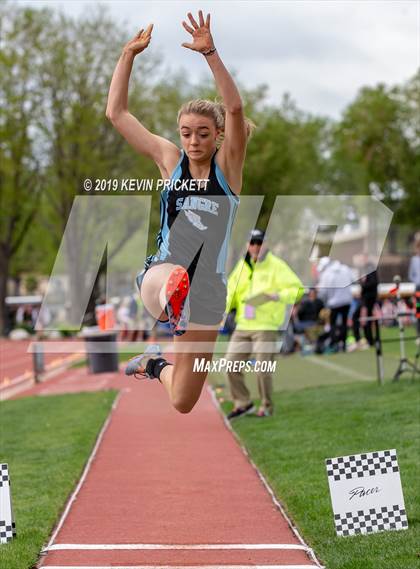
(184, 281)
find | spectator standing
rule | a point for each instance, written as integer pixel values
(414, 274)
(133, 310)
(124, 318)
(25, 317)
(368, 298)
(263, 276)
(306, 320)
(334, 288)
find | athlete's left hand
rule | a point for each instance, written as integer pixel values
(202, 40)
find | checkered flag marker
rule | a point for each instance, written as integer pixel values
(7, 520)
(366, 493)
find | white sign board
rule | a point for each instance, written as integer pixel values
(366, 493)
(7, 521)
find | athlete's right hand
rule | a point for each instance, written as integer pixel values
(140, 41)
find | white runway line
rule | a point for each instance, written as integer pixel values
(339, 368)
(309, 551)
(149, 546)
(56, 547)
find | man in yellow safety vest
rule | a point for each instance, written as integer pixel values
(259, 289)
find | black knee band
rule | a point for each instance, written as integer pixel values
(155, 365)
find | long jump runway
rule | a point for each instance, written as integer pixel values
(165, 490)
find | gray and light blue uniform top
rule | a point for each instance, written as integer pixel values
(195, 224)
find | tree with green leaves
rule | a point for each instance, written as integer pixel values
(24, 33)
(285, 155)
(375, 148)
(55, 73)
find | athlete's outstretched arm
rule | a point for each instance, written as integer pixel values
(233, 148)
(162, 151)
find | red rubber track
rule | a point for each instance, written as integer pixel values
(17, 367)
(15, 359)
(160, 477)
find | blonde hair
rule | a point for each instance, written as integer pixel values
(213, 110)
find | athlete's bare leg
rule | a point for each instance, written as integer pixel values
(182, 383)
(153, 289)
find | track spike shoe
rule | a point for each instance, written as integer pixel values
(137, 366)
(177, 300)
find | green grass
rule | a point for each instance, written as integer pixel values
(328, 406)
(46, 442)
(296, 371)
(393, 348)
(79, 364)
(312, 424)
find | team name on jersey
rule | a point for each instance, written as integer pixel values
(198, 204)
